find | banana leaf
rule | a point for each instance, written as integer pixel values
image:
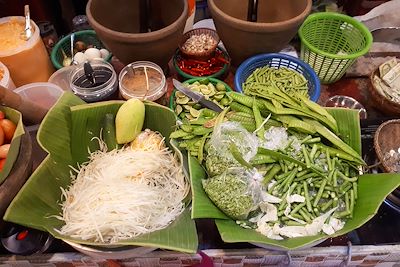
(38, 201)
(372, 190)
(16, 117)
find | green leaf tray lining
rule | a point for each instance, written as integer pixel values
(372, 190)
(66, 133)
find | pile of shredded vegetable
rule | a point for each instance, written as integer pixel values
(123, 193)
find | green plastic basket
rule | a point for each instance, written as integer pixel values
(89, 37)
(331, 42)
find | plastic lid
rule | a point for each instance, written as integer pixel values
(43, 94)
(144, 80)
(62, 77)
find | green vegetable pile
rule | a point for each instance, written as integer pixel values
(198, 122)
(323, 169)
(285, 79)
(230, 193)
(313, 163)
(186, 108)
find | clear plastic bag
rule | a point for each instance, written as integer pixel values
(236, 192)
(219, 156)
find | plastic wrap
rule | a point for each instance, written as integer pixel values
(236, 192)
(219, 157)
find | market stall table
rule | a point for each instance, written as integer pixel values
(383, 229)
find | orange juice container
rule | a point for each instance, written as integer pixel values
(27, 61)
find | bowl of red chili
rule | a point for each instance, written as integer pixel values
(215, 67)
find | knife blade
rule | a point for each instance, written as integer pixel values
(387, 35)
(199, 98)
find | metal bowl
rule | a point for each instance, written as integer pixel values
(342, 101)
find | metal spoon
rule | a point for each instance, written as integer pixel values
(72, 49)
(28, 32)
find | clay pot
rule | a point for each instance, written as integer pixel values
(121, 25)
(277, 23)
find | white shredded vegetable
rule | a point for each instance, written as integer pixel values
(122, 194)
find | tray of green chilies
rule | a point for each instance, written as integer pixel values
(321, 126)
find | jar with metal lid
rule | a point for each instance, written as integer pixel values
(143, 80)
(94, 82)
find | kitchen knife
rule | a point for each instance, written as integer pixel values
(199, 98)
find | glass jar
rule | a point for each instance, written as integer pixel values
(105, 82)
(143, 80)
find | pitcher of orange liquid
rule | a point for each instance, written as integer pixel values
(27, 61)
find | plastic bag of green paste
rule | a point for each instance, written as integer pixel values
(236, 192)
(219, 157)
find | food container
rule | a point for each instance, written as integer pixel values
(27, 61)
(143, 80)
(277, 61)
(5, 78)
(44, 94)
(381, 102)
(207, 42)
(221, 74)
(387, 146)
(88, 37)
(342, 101)
(183, 113)
(106, 82)
(61, 77)
(277, 23)
(66, 139)
(136, 30)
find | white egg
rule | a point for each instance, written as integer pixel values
(92, 53)
(80, 57)
(104, 53)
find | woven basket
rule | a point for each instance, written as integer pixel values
(331, 42)
(199, 56)
(277, 60)
(387, 137)
(89, 37)
(381, 102)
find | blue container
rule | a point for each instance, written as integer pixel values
(276, 60)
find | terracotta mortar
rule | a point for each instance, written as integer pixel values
(277, 23)
(119, 25)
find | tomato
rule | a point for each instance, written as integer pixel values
(8, 128)
(2, 115)
(1, 136)
(4, 151)
(2, 162)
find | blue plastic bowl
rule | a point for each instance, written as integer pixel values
(276, 60)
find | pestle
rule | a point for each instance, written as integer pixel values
(150, 17)
(31, 112)
(252, 10)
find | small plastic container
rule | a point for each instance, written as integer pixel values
(143, 80)
(43, 94)
(106, 82)
(5, 78)
(61, 77)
